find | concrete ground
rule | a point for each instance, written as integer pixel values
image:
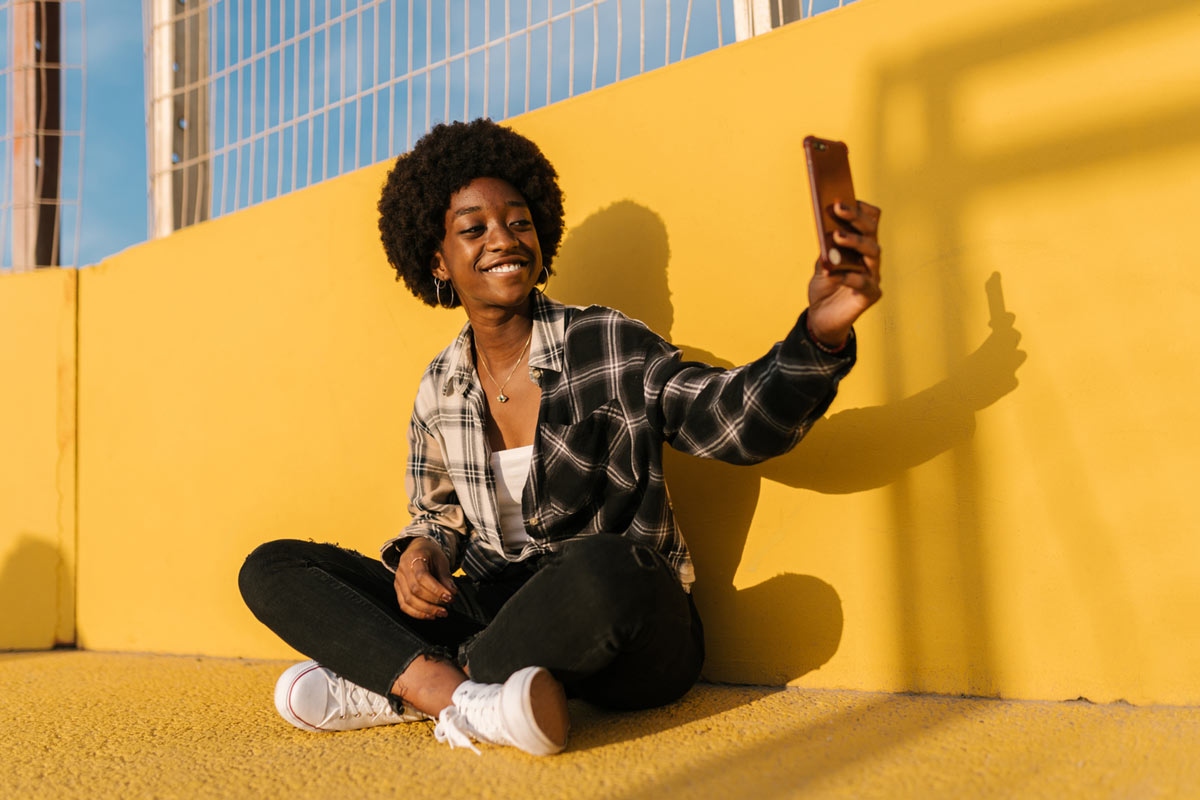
(86, 724)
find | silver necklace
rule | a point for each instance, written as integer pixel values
(502, 397)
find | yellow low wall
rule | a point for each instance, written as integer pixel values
(37, 459)
(997, 504)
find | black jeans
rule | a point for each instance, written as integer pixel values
(605, 615)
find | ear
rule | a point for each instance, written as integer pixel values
(438, 268)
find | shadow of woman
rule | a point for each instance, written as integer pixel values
(791, 624)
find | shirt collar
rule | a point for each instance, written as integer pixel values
(549, 333)
(545, 349)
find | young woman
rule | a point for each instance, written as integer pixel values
(535, 468)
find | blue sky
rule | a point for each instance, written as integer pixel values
(114, 162)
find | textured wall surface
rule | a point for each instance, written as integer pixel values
(37, 459)
(998, 502)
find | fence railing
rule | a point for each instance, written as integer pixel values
(42, 101)
(250, 99)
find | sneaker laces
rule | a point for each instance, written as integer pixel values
(452, 728)
(475, 714)
(353, 700)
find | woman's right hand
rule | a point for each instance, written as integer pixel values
(423, 583)
(836, 299)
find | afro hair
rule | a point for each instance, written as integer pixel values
(412, 208)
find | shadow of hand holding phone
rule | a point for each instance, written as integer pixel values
(865, 448)
(791, 624)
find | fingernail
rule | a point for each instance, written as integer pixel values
(447, 598)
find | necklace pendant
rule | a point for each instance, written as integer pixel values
(502, 397)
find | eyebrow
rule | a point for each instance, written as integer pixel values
(472, 209)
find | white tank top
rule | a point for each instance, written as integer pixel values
(511, 468)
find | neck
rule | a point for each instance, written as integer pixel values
(501, 336)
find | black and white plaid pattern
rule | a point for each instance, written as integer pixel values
(612, 392)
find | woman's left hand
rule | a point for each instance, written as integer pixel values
(422, 582)
(837, 299)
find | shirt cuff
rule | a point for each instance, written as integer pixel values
(800, 344)
(392, 549)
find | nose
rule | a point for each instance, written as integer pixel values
(501, 238)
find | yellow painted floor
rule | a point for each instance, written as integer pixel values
(85, 724)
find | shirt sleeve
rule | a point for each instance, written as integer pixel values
(433, 504)
(747, 414)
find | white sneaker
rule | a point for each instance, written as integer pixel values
(314, 699)
(528, 711)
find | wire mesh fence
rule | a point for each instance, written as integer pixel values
(250, 99)
(42, 102)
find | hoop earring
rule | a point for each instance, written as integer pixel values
(438, 284)
(544, 278)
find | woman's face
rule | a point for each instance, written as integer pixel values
(490, 252)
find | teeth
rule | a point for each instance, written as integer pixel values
(506, 268)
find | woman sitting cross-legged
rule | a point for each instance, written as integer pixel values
(535, 468)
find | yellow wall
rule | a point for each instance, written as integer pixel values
(998, 503)
(37, 459)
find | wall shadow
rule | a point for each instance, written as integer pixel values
(791, 624)
(593, 727)
(29, 595)
(618, 257)
(801, 753)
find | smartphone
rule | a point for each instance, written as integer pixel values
(829, 177)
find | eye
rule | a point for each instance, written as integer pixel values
(522, 223)
(474, 230)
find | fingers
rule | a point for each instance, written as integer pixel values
(441, 573)
(867, 245)
(838, 297)
(412, 604)
(863, 281)
(432, 569)
(421, 593)
(428, 587)
(864, 238)
(864, 218)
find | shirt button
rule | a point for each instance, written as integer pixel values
(533, 521)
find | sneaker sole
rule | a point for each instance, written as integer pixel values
(532, 695)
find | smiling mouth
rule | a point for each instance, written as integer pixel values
(501, 269)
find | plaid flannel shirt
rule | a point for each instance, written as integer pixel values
(612, 392)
